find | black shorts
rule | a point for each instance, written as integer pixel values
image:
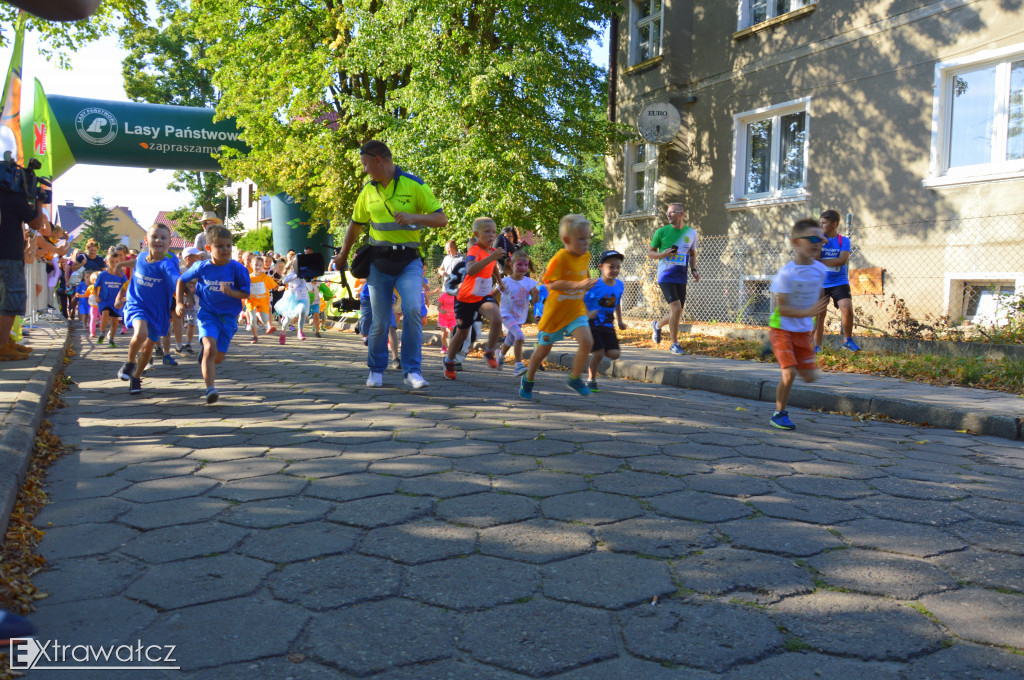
(837, 293)
(673, 292)
(604, 338)
(468, 312)
(112, 311)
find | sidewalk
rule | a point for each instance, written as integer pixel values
(997, 414)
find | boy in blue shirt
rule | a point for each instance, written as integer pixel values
(108, 286)
(221, 285)
(603, 308)
(835, 255)
(148, 304)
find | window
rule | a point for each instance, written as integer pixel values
(754, 12)
(978, 120)
(264, 212)
(646, 23)
(641, 177)
(985, 302)
(770, 153)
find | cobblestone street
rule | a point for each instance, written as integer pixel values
(309, 527)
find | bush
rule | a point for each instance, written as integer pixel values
(260, 239)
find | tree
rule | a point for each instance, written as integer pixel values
(495, 104)
(100, 225)
(258, 240)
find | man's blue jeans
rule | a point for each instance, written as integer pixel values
(409, 284)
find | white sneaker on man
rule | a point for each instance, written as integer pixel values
(414, 380)
(375, 379)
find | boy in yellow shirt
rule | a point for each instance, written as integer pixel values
(567, 278)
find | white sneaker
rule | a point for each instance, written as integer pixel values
(375, 379)
(414, 380)
(520, 368)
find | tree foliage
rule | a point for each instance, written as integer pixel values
(495, 104)
(101, 225)
(259, 240)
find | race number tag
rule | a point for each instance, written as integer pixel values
(257, 289)
(678, 259)
(482, 286)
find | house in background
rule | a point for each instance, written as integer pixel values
(124, 224)
(254, 208)
(906, 116)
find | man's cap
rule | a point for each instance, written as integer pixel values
(191, 250)
(608, 254)
(210, 216)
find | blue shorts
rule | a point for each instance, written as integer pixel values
(153, 331)
(83, 306)
(552, 338)
(220, 327)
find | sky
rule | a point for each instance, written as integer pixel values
(96, 73)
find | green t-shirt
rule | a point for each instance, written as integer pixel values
(673, 269)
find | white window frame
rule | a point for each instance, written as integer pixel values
(955, 282)
(940, 174)
(636, 23)
(650, 169)
(746, 14)
(774, 196)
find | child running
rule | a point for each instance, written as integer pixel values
(221, 285)
(108, 285)
(475, 295)
(445, 317)
(603, 308)
(93, 296)
(518, 292)
(797, 296)
(295, 302)
(148, 304)
(258, 302)
(82, 295)
(567, 279)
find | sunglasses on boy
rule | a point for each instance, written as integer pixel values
(815, 240)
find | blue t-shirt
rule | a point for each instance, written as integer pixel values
(604, 298)
(836, 276)
(208, 277)
(108, 286)
(151, 290)
(542, 296)
(83, 302)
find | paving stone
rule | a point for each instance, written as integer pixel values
(226, 453)
(210, 635)
(628, 667)
(86, 510)
(711, 636)
(581, 463)
(83, 465)
(873, 573)
(982, 616)
(899, 537)
(828, 487)
(503, 434)
(379, 635)
(81, 540)
(260, 488)
(168, 489)
(990, 510)
(197, 581)
(181, 542)
(89, 487)
(984, 568)
(336, 581)
(496, 464)
(380, 511)
(539, 448)
(446, 485)
(777, 453)
(172, 513)
(450, 669)
(720, 439)
(657, 537)
(418, 542)
(642, 484)
(845, 624)
(828, 469)
(591, 507)
(312, 450)
(487, 509)
(805, 508)
(700, 507)
(925, 491)
(142, 472)
(752, 467)
(536, 541)
(279, 667)
(669, 465)
(724, 484)
(302, 542)
(1000, 489)
(991, 536)
(968, 662)
(698, 451)
(242, 469)
(607, 580)
(461, 449)
(428, 433)
(471, 583)
(106, 621)
(411, 466)
(934, 513)
(276, 512)
(723, 570)
(539, 638)
(352, 487)
(86, 578)
(601, 445)
(802, 665)
(540, 483)
(783, 537)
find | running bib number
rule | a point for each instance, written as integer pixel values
(258, 289)
(678, 259)
(482, 287)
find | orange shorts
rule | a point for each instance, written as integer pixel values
(258, 305)
(793, 349)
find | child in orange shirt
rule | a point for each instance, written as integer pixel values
(258, 302)
(567, 278)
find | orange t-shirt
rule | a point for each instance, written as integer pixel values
(475, 288)
(260, 286)
(563, 308)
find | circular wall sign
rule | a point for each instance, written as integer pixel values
(659, 122)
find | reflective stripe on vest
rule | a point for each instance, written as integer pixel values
(394, 234)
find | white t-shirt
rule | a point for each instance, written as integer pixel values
(515, 299)
(802, 285)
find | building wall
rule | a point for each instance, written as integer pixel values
(123, 225)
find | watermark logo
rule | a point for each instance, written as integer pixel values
(31, 654)
(96, 126)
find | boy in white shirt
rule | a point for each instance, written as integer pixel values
(797, 297)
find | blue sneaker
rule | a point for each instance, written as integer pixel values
(781, 420)
(655, 332)
(578, 385)
(212, 395)
(169, 360)
(676, 348)
(526, 388)
(14, 626)
(851, 345)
